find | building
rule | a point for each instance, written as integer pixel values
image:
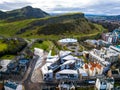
(110, 37)
(67, 40)
(98, 43)
(63, 65)
(93, 68)
(68, 65)
(104, 56)
(68, 57)
(67, 74)
(66, 86)
(38, 52)
(12, 86)
(3, 64)
(62, 54)
(51, 59)
(82, 73)
(104, 83)
(46, 73)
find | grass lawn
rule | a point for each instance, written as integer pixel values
(7, 57)
(45, 45)
(3, 46)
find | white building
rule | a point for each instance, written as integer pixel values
(38, 51)
(68, 64)
(64, 86)
(104, 56)
(93, 68)
(67, 74)
(4, 64)
(62, 54)
(12, 86)
(104, 84)
(68, 57)
(47, 74)
(67, 40)
(82, 73)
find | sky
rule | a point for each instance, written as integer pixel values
(99, 7)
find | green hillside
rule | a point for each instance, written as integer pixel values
(51, 27)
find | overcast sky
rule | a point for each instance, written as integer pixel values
(108, 7)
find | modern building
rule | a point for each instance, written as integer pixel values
(3, 64)
(46, 73)
(12, 86)
(67, 40)
(82, 73)
(110, 37)
(104, 83)
(67, 74)
(105, 56)
(66, 86)
(64, 66)
(93, 68)
(98, 43)
(38, 51)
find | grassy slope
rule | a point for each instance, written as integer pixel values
(45, 45)
(3, 46)
(66, 27)
(10, 28)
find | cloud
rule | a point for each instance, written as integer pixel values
(53, 6)
(12, 4)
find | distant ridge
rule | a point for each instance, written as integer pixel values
(27, 12)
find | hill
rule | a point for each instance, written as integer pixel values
(104, 17)
(74, 24)
(23, 13)
(108, 22)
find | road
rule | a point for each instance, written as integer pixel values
(27, 78)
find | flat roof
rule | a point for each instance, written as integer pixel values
(4, 63)
(100, 59)
(115, 48)
(68, 71)
(64, 53)
(52, 59)
(68, 40)
(68, 62)
(11, 85)
(70, 57)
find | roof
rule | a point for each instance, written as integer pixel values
(68, 71)
(98, 66)
(70, 57)
(93, 64)
(92, 68)
(68, 40)
(64, 53)
(38, 51)
(52, 59)
(23, 61)
(86, 66)
(11, 85)
(45, 70)
(81, 71)
(4, 63)
(68, 62)
(102, 60)
(115, 48)
(19, 87)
